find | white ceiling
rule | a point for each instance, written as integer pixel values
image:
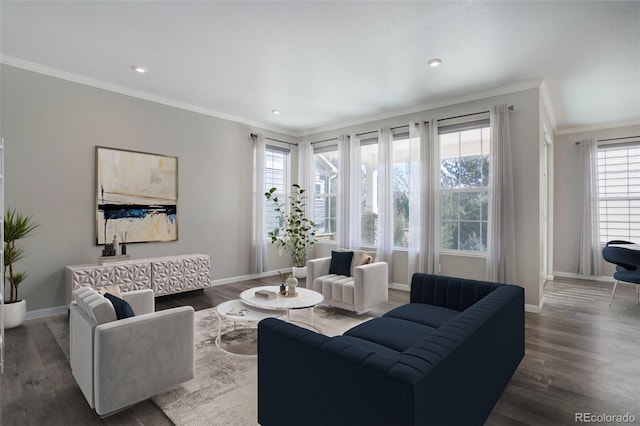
(325, 64)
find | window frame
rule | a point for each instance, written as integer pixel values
(331, 148)
(270, 150)
(630, 199)
(457, 126)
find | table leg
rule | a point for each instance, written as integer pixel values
(219, 330)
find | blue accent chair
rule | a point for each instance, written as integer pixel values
(627, 261)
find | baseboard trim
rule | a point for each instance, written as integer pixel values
(247, 277)
(535, 309)
(47, 312)
(398, 286)
(583, 277)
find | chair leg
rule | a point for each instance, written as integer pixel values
(613, 292)
(637, 294)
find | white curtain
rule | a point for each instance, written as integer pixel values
(258, 235)
(415, 201)
(430, 199)
(589, 256)
(306, 175)
(501, 247)
(343, 207)
(385, 198)
(355, 194)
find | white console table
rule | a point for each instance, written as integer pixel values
(164, 275)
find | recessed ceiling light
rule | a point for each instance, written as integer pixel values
(275, 111)
(139, 69)
(435, 62)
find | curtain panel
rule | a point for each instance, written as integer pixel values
(589, 246)
(306, 175)
(355, 194)
(344, 187)
(385, 198)
(258, 235)
(430, 198)
(415, 170)
(501, 246)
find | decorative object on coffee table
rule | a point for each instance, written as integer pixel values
(283, 285)
(292, 283)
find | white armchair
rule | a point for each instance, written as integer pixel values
(118, 363)
(366, 289)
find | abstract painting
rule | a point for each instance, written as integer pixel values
(137, 196)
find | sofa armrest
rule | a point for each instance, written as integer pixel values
(141, 301)
(351, 382)
(470, 358)
(138, 357)
(317, 268)
(370, 285)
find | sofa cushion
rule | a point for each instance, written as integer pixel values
(335, 287)
(113, 289)
(395, 333)
(359, 258)
(122, 307)
(431, 315)
(341, 262)
(99, 309)
(367, 345)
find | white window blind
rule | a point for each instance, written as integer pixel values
(619, 192)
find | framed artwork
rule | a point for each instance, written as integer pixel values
(136, 196)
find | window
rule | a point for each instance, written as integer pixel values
(277, 174)
(369, 175)
(619, 192)
(325, 196)
(464, 195)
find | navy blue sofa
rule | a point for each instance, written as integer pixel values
(442, 359)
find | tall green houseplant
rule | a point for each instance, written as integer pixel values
(296, 233)
(16, 227)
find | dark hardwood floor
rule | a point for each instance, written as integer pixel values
(581, 356)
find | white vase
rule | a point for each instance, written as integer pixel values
(291, 283)
(14, 313)
(299, 272)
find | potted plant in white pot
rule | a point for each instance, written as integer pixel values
(16, 227)
(296, 233)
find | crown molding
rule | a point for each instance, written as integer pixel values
(503, 90)
(99, 84)
(595, 127)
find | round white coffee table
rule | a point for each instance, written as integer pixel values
(236, 311)
(306, 299)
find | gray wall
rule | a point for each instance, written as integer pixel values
(51, 127)
(566, 201)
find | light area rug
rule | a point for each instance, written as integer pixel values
(224, 389)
